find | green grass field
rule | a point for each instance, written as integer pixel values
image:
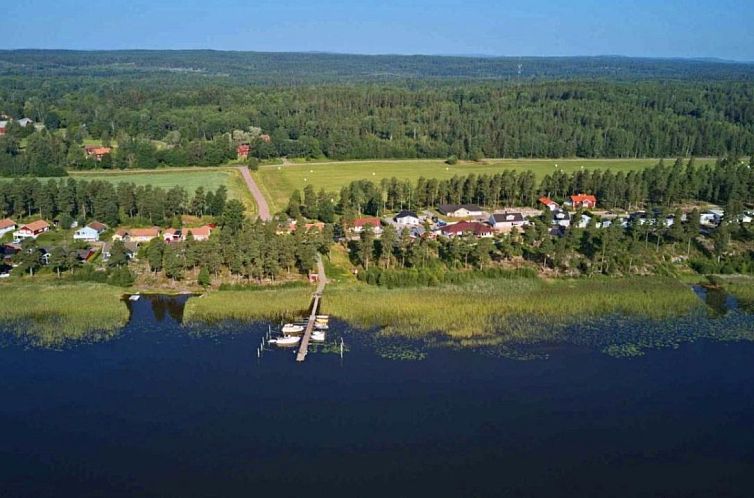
(277, 182)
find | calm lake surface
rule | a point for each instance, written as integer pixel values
(162, 410)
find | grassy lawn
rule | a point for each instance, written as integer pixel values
(277, 182)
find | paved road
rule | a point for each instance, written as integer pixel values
(262, 207)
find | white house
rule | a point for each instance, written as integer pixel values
(7, 225)
(407, 219)
(505, 222)
(561, 218)
(90, 232)
(710, 219)
(25, 122)
(460, 210)
(584, 221)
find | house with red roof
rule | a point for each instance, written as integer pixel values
(199, 233)
(137, 235)
(467, 228)
(7, 225)
(549, 203)
(359, 224)
(96, 152)
(243, 151)
(583, 200)
(33, 230)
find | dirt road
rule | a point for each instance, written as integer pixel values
(262, 207)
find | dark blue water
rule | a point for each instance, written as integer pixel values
(164, 411)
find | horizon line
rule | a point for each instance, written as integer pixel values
(394, 54)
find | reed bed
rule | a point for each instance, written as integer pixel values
(273, 304)
(509, 307)
(50, 315)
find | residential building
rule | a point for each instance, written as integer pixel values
(140, 235)
(460, 210)
(199, 233)
(467, 228)
(90, 232)
(96, 152)
(505, 222)
(33, 230)
(3, 127)
(359, 224)
(407, 219)
(549, 203)
(583, 200)
(561, 218)
(7, 225)
(243, 151)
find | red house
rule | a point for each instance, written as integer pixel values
(583, 200)
(467, 227)
(549, 203)
(97, 152)
(243, 151)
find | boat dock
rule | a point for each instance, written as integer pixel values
(303, 349)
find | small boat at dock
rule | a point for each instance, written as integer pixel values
(134, 297)
(292, 328)
(318, 336)
(285, 341)
(321, 326)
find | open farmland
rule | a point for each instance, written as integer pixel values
(277, 182)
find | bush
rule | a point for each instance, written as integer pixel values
(452, 160)
(121, 277)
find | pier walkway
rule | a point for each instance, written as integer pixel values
(303, 349)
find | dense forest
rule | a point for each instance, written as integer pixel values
(307, 67)
(188, 114)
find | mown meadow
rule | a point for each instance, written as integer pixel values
(50, 314)
(277, 182)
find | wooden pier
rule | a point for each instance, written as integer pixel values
(303, 349)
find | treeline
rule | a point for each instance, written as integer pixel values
(729, 182)
(81, 200)
(247, 252)
(285, 68)
(49, 154)
(467, 120)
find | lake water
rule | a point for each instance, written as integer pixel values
(162, 410)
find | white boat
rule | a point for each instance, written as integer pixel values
(292, 328)
(323, 317)
(318, 335)
(135, 297)
(321, 326)
(285, 341)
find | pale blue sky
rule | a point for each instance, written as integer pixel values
(654, 28)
